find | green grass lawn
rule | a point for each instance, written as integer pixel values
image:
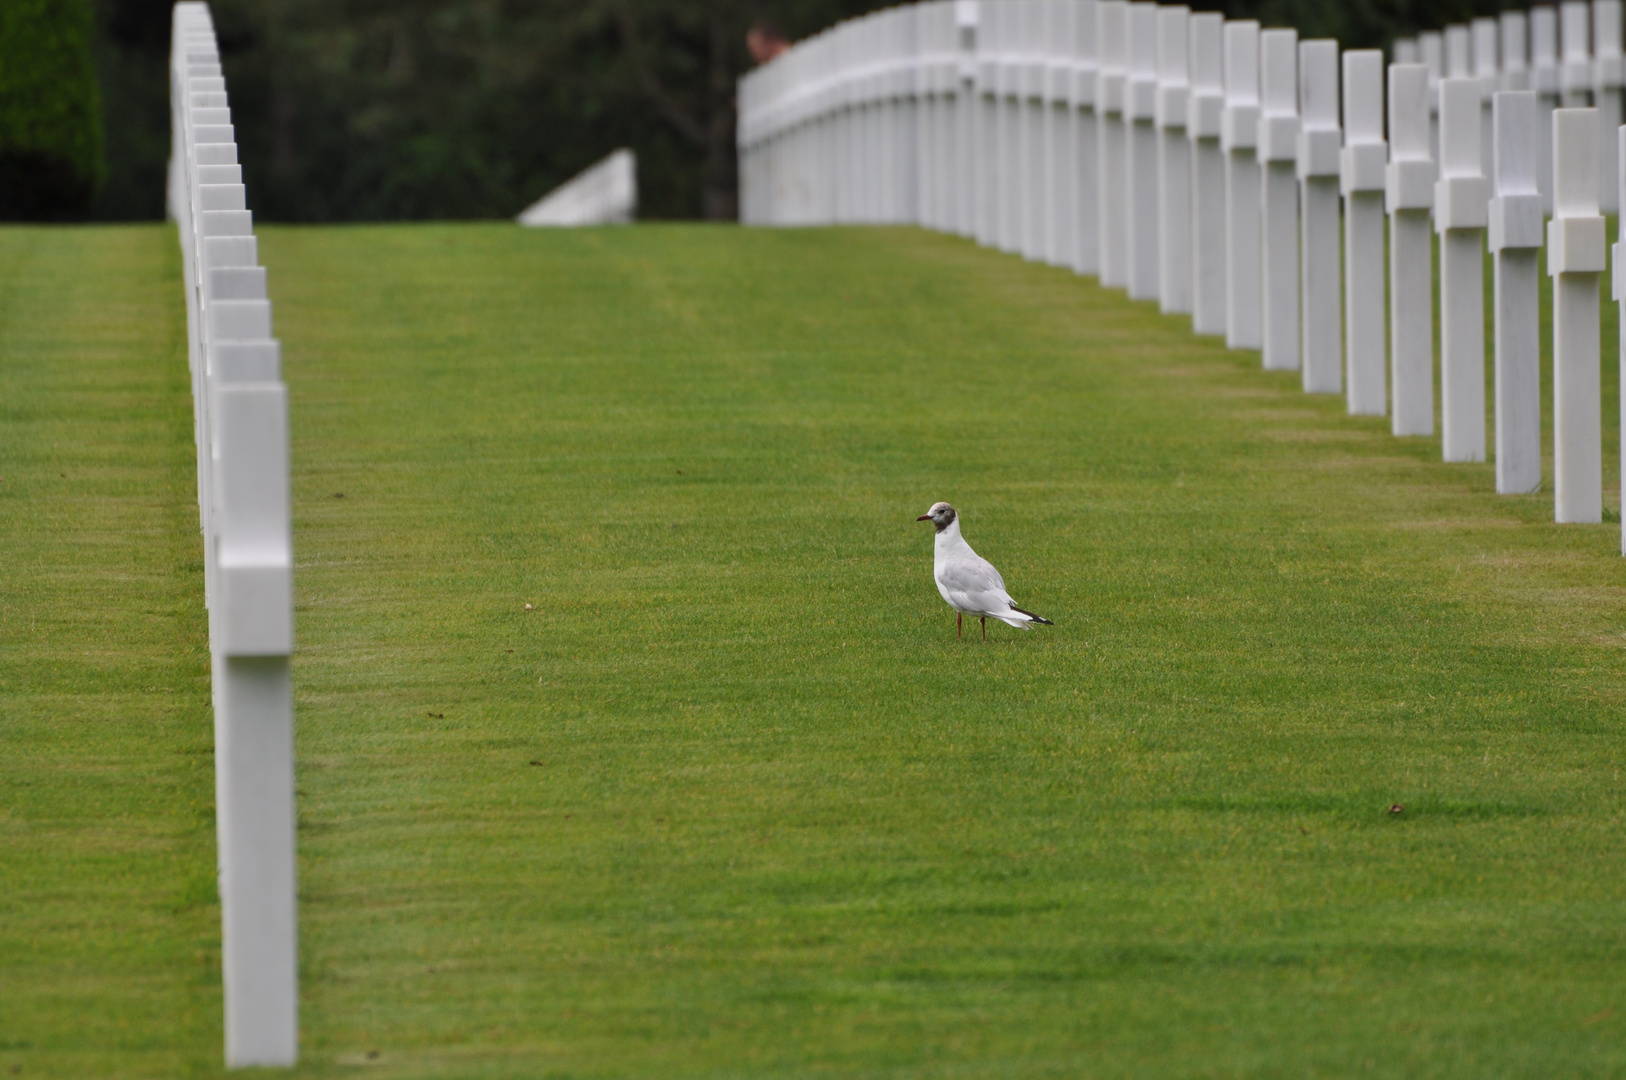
(730, 799)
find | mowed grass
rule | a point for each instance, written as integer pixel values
(109, 927)
(731, 799)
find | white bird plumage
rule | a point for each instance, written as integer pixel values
(969, 583)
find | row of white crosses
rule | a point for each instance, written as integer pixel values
(1205, 163)
(241, 413)
(1569, 55)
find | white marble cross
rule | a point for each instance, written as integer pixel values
(1363, 165)
(1204, 112)
(1319, 257)
(1239, 137)
(1515, 237)
(1575, 259)
(1173, 160)
(1087, 142)
(1112, 17)
(1409, 199)
(1608, 75)
(1460, 208)
(1140, 161)
(1278, 150)
(1544, 79)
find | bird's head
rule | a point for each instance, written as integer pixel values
(941, 515)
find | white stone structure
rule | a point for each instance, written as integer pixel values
(1515, 236)
(1544, 79)
(603, 194)
(1575, 66)
(966, 102)
(1113, 143)
(241, 412)
(1608, 74)
(1619, 279)
(1061, 165)
(1319, 258)
(1460, 209)
(1409, 199)
(1010, 167)
(1173, 160)
(1201, 162)
(1278, 151)
(1239, 136)
(1141, 177)
(1086, 95)
(1431, 47)
(1031, 219)
(986, 142)
(1575, 259)
(1488, 74)
(1515, 45)
(1363, 182)
(1204, 112)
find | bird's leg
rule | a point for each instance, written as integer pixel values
(959, 626)
(985, 628)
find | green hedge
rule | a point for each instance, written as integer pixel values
(51, 161)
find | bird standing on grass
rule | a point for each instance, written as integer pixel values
(969, 582)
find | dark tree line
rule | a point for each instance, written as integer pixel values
(392, 109)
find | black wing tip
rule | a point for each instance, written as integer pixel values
(1036, 618)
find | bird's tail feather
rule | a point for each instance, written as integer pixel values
(1031, 615)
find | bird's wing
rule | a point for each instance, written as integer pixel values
(972, 575)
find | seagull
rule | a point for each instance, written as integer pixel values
(969, 582)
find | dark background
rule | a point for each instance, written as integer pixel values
(388, 109)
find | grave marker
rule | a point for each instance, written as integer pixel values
(1544, 78)
(1363, 166)
(1111, 39)
(1061, 150)
(1619, 279)
(1575, 259)
(1174, 160)
(1608, 75)
(1515, 238)
(1239, 138)
(1140, 177)
(1575, 38)
(241, 427)
(1487, 70)
(1318, 171)
(1460, 209)
(1086, 94)
(1409, 199)
(1204, 112)
(1279, 198)
(1515, 51)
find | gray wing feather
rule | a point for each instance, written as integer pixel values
(973, 577)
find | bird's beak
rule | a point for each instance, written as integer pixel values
(924, 517)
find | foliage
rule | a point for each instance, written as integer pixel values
(51, 160)
(354, 109)
(361, 109)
